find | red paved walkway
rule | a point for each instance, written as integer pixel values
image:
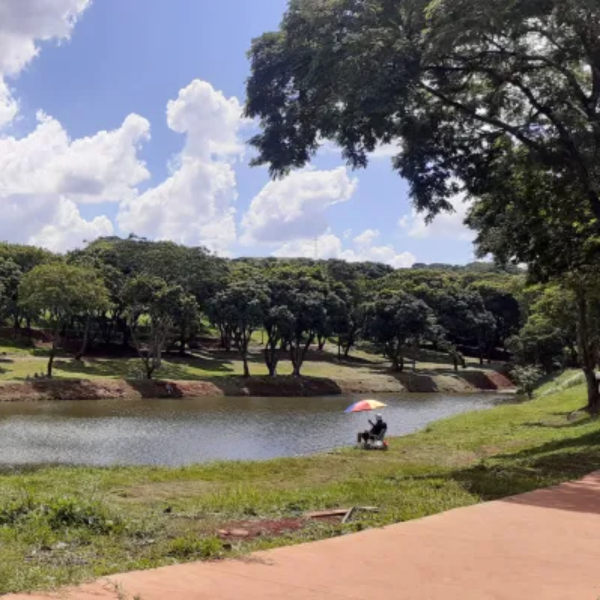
(539, 546)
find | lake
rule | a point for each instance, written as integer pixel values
(183, 431)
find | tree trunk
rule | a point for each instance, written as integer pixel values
(55, 337)
(322, 340)
(298, 353)
(271, 362)
(593, 391)
(587, 351)
(271, 356)
(84, 342)
(50, 363)
(182, 341)
(396, 357)
(243, 343)
(149, 368)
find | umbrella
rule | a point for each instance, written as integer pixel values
(365, 405)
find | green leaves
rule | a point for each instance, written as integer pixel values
(62, 290)
(459, 85)
(396, 320)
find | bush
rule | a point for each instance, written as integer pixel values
(526, 379)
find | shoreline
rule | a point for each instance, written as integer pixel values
(148, 516)
(267, 387)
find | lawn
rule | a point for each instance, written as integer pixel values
(61, 525)
(18, 363)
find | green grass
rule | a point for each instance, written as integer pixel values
(196, 367)
(18, 363)
(62, 525)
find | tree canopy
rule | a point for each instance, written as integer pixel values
(456, 84)
(61, 292)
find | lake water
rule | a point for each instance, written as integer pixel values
(184, 431)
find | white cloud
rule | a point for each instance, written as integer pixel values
(383, 151)
(100, 168)
(295, 207)
(23, 24)
(325, 246)
(449, 226)
(386, 151)
(51, 221)
(195, 204)
(329, 245)
(367, 237)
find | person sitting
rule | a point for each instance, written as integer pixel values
(377, 431)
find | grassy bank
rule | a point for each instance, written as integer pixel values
(60, 525)
(213, 373)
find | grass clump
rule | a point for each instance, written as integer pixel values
(190, 546)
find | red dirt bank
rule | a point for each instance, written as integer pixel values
(81, 389)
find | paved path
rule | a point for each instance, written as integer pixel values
(539, 546)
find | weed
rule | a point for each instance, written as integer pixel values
(191, 546)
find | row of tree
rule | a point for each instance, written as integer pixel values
(153, 296)
(496, 101)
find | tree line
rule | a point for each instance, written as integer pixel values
(159, 296)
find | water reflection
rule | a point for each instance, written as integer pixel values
(183, 431)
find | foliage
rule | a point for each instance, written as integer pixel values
(240, 309)
(61, 291)
(159, 303)
(297, 303)
(455, 83)
(396, 320)
(526, 379)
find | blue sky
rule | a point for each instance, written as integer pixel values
(124, 116)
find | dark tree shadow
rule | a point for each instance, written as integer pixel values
(173, 368)
(536, 469)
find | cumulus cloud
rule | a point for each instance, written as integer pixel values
(449, 226)
(23, 24)
(367, 237)
(49, 220)
(329, 245)
(383, 151)
(296, 207)
(103, 167)
(195, 204)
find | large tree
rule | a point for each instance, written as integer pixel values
(152, 307)
(525, 218)
(61, 292)
(25, 258)
(396, 321)
(455, 83)
(241, 309)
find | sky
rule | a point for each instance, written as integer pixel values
(125, 116)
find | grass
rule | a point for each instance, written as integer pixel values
(63, 525)
(17, 363)
(186, 369)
